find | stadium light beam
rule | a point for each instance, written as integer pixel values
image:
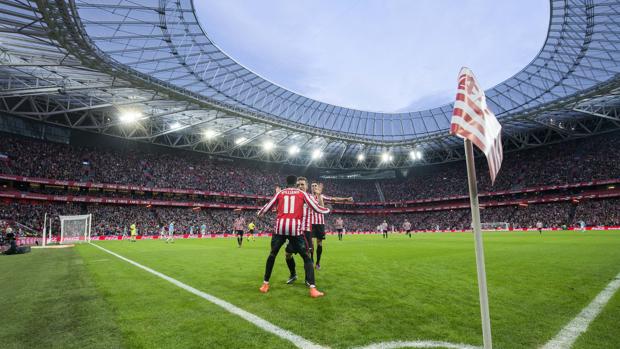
(268, 146)
(415, 155)
(316, 154)
(210, 134)
(240, 140)
(385, 157)
(175, 125)
(294, 150)
(361, 157)
(129, 116)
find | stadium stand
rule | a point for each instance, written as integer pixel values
(438, 192)
(580, 161)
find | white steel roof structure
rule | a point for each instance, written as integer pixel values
(95, 65)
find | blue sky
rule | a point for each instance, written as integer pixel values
(377, 55)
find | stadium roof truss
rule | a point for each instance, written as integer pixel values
(83, 63)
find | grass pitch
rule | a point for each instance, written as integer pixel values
(377, 290)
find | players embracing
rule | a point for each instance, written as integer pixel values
(289, 203)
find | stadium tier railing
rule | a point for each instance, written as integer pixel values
(129, 187)
(595, 194)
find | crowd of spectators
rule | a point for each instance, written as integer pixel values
(157, 168)
(598, 212)
(577, 161)
(116, 219)
(571, 162)
(551, 215)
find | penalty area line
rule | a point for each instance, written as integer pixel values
(569, 334)
(261, 323)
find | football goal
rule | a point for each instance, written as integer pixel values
(74, 229)
(495, 226)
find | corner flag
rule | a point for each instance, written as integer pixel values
(472, 119)
(475, 123)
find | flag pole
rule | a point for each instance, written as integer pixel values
(475, 219)
(44, 229)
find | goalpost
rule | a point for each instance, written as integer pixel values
(75, 229)
(495, 226)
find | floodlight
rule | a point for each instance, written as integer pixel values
(209, 134)
(129, 116)
(268, 145)
(317, 153)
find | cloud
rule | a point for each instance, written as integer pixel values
(377, 55)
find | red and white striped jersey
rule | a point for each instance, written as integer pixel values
(239, 223)
(290, 204)
(316, 217)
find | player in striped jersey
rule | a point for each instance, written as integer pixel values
(289, 203)
(317, 219)
(302, 184)
(407, 227)
(339, 225)
(238, 226)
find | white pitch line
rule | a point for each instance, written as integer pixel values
(418, 344)
(563, 340)
(297, 341)
(569, 334)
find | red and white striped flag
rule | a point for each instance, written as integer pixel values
(472, 119)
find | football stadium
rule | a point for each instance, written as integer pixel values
(220, 174)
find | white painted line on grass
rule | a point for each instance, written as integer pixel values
(418, 344)
(563, 340)
(569, 334)
(298, 341)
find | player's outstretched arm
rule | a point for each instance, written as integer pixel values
(269, 205)
(337, 199)
(313, 204)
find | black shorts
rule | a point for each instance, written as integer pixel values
(251, 231)
(408, 231)
(239, 232)
(306, 237)
(318, 231)
(296, 244)
(339, 230)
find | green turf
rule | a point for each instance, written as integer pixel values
(376, 290)
(603, 333)
(49, 301)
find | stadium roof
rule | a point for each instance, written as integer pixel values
(85, 64)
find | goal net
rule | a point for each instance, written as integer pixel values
(75, 229)
(495, 226)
